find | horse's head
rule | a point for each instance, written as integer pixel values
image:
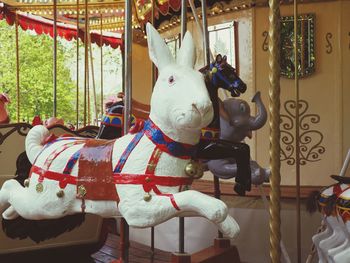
(180, 100)
(223, 75)
(112, 121)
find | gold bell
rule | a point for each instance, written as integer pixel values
(147, 197)
(39, 187)
(60, 193)
(200, 171)
(26, 182)
(194, 169)
(81, 191)
(190, 169)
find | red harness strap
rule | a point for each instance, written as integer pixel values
(148, 181)
(63, 179)
(151, 167)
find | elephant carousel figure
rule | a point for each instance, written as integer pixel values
(236, 124)
(140, 175)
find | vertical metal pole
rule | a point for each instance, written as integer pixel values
(93, 81)
(88, 84)
(77, 88)
(183, 32)
(86, 68)
(297, 143)
(124, 241)
(205, 34)
(274, 95)
(101, 44)
(236, 45)
(128, 65)
(54, 58)
(127, 107)
(153, 80)
(153, 77)
(152, 243)
(183, 18)
(17, 71)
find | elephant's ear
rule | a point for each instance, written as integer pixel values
(223, 112)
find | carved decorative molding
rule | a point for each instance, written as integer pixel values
(23, 129)
(310, 140)
(329, 47)
(265, 45)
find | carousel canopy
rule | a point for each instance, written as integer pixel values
(43, 25)
(109, 14)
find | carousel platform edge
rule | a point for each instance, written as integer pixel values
(221, 252)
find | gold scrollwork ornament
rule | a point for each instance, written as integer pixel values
(194, 169)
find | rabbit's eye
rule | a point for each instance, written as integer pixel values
(171, 80)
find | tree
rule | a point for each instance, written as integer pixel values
(36, 75)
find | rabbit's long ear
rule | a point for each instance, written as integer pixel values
(187, 52)
(157, 49)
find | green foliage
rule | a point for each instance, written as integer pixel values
(36, 75)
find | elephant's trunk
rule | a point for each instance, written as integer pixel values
(260, 119)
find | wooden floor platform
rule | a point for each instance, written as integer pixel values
(109, 252)
(138, 253)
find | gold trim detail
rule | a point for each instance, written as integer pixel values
(274, 121)
(81, 191)
(39, 188)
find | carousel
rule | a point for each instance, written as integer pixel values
(180, 164)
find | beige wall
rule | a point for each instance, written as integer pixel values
(325, 91)
(345, 58)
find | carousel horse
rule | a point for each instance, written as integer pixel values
(329, 202)
(341, 253)
(4, 116)
(138, 176)
(220, 74)
(110, 128)
(235, 125)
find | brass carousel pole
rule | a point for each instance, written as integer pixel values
(86, 68)
(93, 80)
(88, 80)
(205, 34)
(127, 111)
(274, 109)
(153, 77)
(17, 70)
(77, 88)
(54, 58)
(101, 44)
(297, 144)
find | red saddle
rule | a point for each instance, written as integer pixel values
(95, 174)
